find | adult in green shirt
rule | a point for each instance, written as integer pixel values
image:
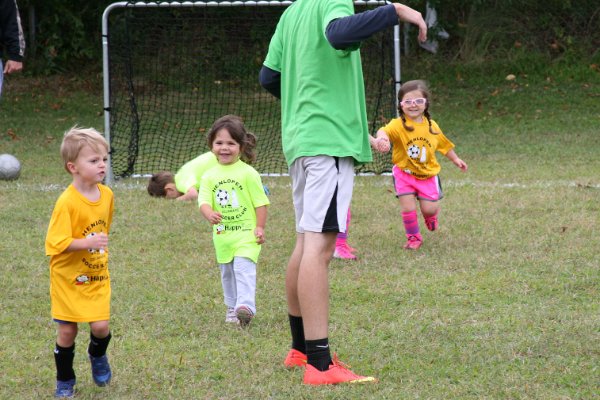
(313, 65)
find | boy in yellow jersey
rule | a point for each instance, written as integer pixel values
(76, 242)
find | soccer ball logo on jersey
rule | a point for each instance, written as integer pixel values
(222, 197)
(101, 251)
(414, 151)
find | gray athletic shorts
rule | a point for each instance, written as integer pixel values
(322, 190)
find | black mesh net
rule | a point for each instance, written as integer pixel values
(175, 70)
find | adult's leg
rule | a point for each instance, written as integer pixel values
(313, 283)
(291, 277)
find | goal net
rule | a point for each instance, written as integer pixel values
(172, 68)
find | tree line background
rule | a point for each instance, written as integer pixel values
(65, 35)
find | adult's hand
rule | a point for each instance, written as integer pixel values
(407, 14)
(12, 66)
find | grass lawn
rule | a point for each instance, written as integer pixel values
(500, 303)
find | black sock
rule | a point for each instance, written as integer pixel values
(97, 347)
(317, 352)
(63, 358)
(297, 328)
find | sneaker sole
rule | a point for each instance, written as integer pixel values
(339, 257)
(366, 379)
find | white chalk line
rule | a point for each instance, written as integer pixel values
(135, 184)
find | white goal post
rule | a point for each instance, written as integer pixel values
(173, 5)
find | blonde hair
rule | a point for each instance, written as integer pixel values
(77, 138)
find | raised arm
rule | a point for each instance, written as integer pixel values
(351, 30)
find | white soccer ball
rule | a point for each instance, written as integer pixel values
(10, 167)
(222, 197)
(413, 151)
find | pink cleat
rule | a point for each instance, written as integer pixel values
(342, 251)
(413, 242)
(432, 223)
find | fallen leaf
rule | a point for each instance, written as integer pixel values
(12, 134)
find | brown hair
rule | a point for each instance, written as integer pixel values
(411, 86)
(157, 183)
(237, 130)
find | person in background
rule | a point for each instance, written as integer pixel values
(12, 41)
(313, 65)
(184, 185)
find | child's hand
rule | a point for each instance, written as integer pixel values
(214, 217)
(259, 233)
(460, 164)
(98, 241)
(382, 144)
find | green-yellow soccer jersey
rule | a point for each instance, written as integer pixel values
(79, 280)
(414, 152)
(191, 172)
(235, 191)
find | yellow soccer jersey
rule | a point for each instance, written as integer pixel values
(414, 152)
(79, 280)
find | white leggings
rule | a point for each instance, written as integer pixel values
(239, 283)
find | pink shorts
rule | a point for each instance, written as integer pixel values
(429, 189)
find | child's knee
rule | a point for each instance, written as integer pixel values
(100, 329)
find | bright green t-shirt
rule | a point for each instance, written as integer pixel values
(323, 109)
(191, 172)
(235, 191)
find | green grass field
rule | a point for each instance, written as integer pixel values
(500, 303)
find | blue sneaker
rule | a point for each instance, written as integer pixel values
(65, 389)
(100, 370)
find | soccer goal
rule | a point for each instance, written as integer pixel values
(172, 68)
